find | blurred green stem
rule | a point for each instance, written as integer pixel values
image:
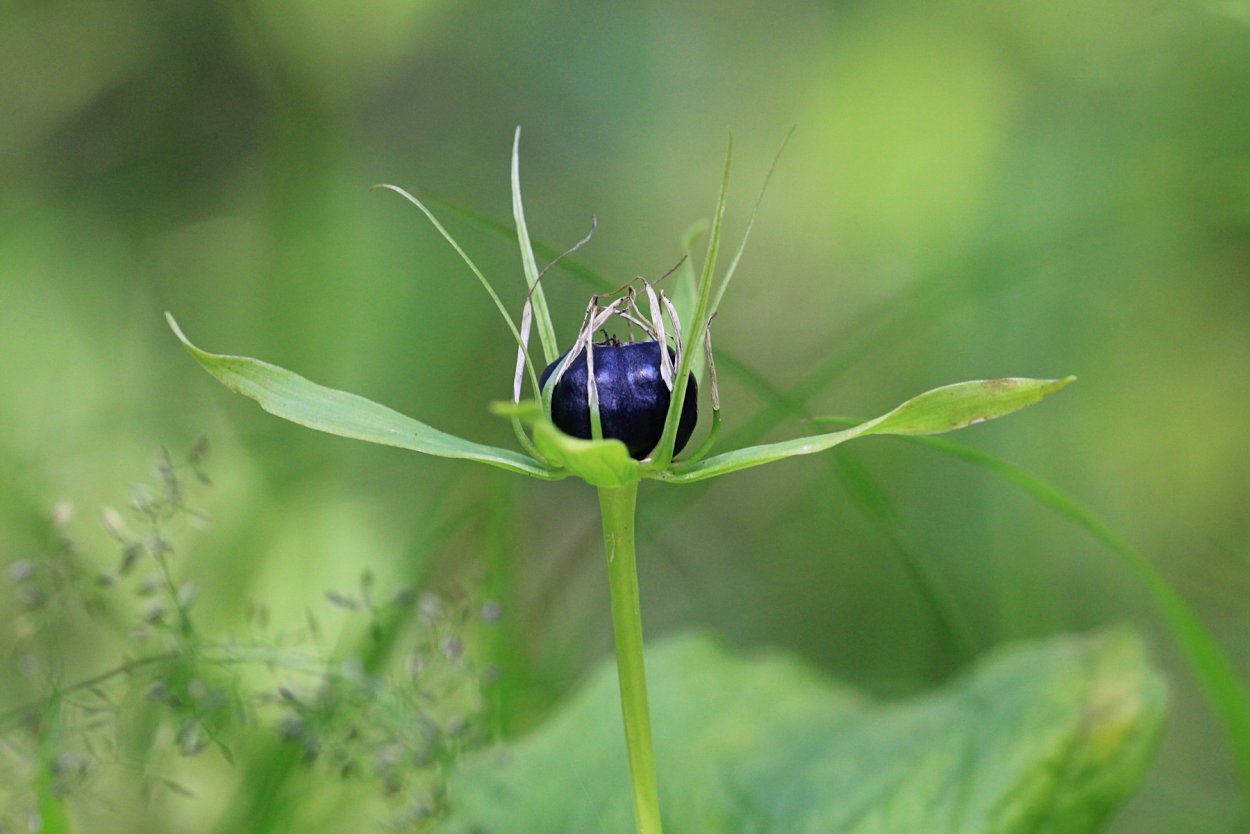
(53, 815)
(617, 506)
(502, 650)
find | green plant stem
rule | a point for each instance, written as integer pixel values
(617, 507)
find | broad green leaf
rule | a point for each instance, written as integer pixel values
(1042, 738)
(601, 463)
(299, 400)
(942, 409)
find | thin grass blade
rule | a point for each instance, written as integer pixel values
(490, 290)
(1221, 684)
(746, 234)
(879, 509)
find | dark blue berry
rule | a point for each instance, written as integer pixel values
(633, 399)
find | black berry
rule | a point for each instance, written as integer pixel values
(633, 399)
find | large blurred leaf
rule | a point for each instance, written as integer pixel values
(1209, 661)
(1042, 738)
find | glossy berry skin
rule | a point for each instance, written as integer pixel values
(633, 399)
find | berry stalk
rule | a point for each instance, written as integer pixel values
(617, 504)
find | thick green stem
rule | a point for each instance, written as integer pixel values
(617, 506)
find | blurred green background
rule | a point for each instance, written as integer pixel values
(974, 189)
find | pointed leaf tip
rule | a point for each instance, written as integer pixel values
(963, 404)
(173, 325)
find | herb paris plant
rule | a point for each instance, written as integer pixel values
(611, 415)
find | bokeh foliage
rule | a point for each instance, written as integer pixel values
(974, 189)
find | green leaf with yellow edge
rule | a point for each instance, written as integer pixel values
(1039, 738)
(292, 397)
(933, 412)
(965, 404)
